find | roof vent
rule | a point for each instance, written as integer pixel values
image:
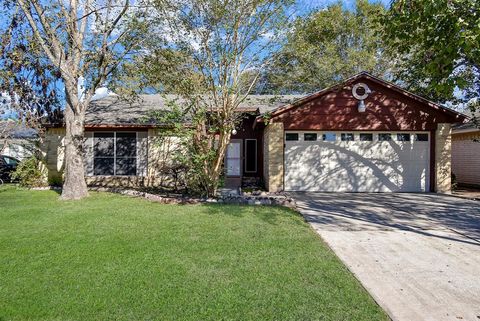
(361, 96)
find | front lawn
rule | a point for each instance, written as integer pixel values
(112, 257)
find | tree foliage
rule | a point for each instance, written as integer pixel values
(207, 48)
(28, 84)
(327, 46)
(71, 42)
(437, 46)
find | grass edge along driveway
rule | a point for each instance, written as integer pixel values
(112, 257)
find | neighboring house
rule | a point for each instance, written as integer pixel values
(466, 154)
(17, 141)
(363, 135)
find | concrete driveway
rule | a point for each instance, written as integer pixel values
(417, 254)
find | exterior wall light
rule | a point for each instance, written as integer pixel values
(361, 97)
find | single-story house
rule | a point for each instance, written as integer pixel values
(362, 135)
(16, 140)
(466, 154)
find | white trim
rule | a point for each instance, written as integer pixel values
(246, 155)
(465, 131)
(240, 163)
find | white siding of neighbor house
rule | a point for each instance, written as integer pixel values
(19, 148)
(466, 158)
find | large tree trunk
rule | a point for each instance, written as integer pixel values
(74, 186)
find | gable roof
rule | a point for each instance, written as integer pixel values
(365, 75)
(115, 111)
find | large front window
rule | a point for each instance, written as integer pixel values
(115, 154)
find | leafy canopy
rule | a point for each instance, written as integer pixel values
(437, 43)
(328, 46)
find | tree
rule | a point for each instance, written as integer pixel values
(327, 46)
(28, 85)
(437, 46)
(79, 40)
(209, 46)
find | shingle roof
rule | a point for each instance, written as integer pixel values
(12, 129)
(468, 126)
(114, 110)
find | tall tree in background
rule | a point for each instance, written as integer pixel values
(77, 40)
(327, 46)
(437, 45)
(208, 48)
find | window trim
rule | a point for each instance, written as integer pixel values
(115, 153)
(345, 135)
(423, 141)
(371, 135)
(292, 140)
(324, 136)
(313, 140)
(246, 155)
(409, 137)
(384, 140)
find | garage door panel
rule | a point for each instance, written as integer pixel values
(359, 166)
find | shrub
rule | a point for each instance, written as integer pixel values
(30, 173)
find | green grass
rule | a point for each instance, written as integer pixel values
(112, 257)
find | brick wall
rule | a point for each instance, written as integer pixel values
(273, 157)
(54, 152)
(466, 158)
(443, 149)
(159, 160)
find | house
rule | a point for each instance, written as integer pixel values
(16, 140)
(466, 154)
(362, 135)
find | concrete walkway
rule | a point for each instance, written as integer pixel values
(417, 254)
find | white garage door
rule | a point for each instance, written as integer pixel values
(357, 162)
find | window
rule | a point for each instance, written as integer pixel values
(366, 137)
(421, 137)
(126, 154)
(384, 137)
(291, 136)
(250, 155)
(347, 137)
(403, 137)
(115, 154)
(329, 137)
(309, 137)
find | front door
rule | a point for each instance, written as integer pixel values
(234, 158)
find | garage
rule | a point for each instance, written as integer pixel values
(357, 161)
(362, 135)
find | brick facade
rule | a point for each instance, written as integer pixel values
(273, 157)
(53, 150)
(443, 160)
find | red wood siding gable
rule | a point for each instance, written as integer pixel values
(388, 107)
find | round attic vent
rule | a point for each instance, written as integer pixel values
(366, 91)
